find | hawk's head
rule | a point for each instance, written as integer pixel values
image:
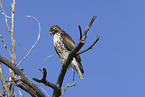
(54, 29)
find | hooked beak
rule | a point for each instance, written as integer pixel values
(50, 33)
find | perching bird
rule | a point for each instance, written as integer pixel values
(63, 44)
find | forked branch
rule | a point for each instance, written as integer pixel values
(24, 78)
(46, 82)
(90, 47)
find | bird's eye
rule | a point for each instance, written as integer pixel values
(54, 29)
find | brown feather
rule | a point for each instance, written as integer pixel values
(70, 45)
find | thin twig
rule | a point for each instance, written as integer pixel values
(48, 57)
(5, 46)
(6, 15)
(4, 84)
(22, 46)
(44, 91)
(6, 20)
(1, 87)
(1, 91)
(89, 26)
(21, 95)
(80, 30)
(44, 81)
(67, 86)
(34, 43)
(97, 38)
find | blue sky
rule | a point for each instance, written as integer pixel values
(115, 67)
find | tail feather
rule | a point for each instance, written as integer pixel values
(78, 68)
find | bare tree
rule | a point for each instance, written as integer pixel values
(21, 80)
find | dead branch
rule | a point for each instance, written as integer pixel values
(6, 15)
(44, 91)
(6, 20)
(44, 81)
(90, 47)
(4, 83)
(89, 26)
(12, 32)
(80, 30)
(24, 78)
(67, 86)
(26, 88)
(48, 57)
(22, 46)
(25, 83)
(21, 95)
(5, 46)
(34, 43)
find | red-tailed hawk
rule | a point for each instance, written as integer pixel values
(63, 44)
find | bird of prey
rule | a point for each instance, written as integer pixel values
(63, 45)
